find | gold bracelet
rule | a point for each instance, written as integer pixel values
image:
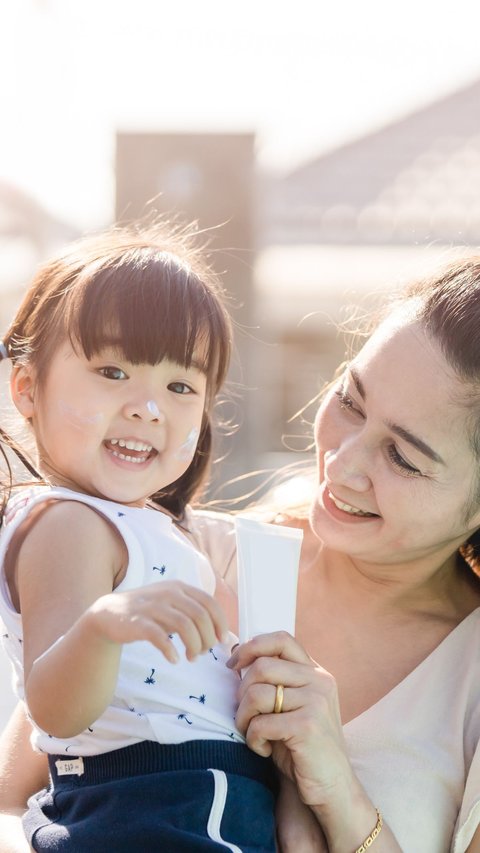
(373, 835)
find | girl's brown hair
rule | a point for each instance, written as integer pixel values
(147, 292)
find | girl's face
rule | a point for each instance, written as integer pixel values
(397, 474)
(111, 428)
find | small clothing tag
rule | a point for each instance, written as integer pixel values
(70, 768)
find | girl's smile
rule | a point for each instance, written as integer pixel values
(130, 450)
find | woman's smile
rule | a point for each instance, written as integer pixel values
(351, 510)
(341, 510)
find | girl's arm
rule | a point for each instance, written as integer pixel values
(22, 773)
(74, 625)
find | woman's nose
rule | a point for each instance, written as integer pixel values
(145, 410)
(347, 466)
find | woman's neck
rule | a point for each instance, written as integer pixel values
(433, 584)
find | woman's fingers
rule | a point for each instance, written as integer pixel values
(316, 693)
(278, 644)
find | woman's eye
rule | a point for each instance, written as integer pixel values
(180, 388)
(400, 462)
(346, 402)
(112, 372)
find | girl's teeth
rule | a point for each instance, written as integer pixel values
(129, 458)
(131, 445)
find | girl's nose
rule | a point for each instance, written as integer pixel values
(347, 467)
(146, 410)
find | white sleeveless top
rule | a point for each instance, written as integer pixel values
(154, 699)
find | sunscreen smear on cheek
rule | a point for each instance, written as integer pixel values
(187, 449)
(77, 419)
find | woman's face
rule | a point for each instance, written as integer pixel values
(397, 475)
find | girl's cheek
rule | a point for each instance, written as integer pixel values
(187, 449)
(78, 419)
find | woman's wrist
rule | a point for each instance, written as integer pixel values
(348, 819)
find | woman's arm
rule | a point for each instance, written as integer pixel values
(306, 739)
(22, 773)
(297, 829)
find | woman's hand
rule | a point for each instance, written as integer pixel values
(306, 739)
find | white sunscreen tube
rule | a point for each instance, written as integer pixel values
(267, 558)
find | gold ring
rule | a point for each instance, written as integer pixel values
(278, 707)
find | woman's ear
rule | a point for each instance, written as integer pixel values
(22, 385)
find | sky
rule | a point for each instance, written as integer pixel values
(304, 76)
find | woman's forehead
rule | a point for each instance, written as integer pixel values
(403, 372)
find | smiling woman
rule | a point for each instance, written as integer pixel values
(393, 441)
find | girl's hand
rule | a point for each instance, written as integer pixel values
(153, 612)
(306, 739)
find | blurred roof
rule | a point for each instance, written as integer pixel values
(414, 181)
(306, 285)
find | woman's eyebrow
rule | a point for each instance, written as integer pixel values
(358, 383)
(416, 442)
(412, 439)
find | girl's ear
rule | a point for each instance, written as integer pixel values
(22, 386)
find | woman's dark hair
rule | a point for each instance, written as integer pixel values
(147, 292)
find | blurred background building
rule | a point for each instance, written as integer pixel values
(328, 161)
(296, 251)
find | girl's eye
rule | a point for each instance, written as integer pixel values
(112, 373)
(346, 402)
(399, 462)
(180, 388)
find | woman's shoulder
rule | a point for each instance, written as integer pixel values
(213, 533)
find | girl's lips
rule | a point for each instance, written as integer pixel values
(331, 504)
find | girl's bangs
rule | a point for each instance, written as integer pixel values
(150, 314)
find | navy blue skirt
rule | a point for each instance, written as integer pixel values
(196, 796)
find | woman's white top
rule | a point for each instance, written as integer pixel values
(154, 699)
(416, 751)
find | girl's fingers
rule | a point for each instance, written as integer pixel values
(182, 624)
(278, 644)
(216, 612)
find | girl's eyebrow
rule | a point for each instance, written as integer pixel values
(408, 436)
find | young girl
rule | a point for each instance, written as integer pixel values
(118, 351)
